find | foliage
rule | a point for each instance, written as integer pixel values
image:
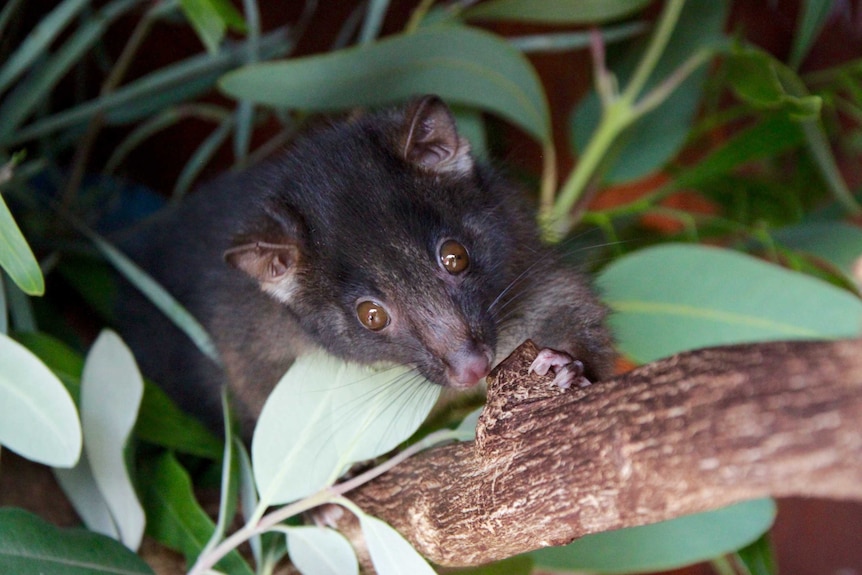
(665, 91)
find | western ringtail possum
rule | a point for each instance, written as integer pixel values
(380, 238)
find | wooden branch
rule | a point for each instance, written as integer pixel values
(691, 433)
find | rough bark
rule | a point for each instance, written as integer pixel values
(690, 433)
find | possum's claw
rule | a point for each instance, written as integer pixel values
(567, 370)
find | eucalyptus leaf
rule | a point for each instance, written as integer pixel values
(754, 76)
(759, 557)
(809, 23)
(83, 493)
(838, 243)
(39, 39)
(174, 517)
(325, 414)
(555, 11)
(111, 392)
(772, 135)
(208, 18)
(16, 258)
(149, 94)
(462, 65)
(390, 552)
(29, 544)
(666, 545)
(230, 477)
(29, 93)
(673, 298)
(467, 427)
(320, 551)
(159, 422)
(38, 419)
(4, 317)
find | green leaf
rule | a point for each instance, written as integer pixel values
(230, 477)
(160, 421)
(39, 39)
(28, 544)
(659, 135)
(837, 243)
(754, 76)
(16, 258)
(79, 485)
(665, 545)
(677, 297)
(111, 391)
(152, 93)
(759, 557)
(320, 551)
(174, 517)
(325, 414)
(809, 23)
(211, 19)
(555, 11)
(58, 357)
(462, 65)
(29, 93)
(769, 137)
(38, 419)
(390, 552)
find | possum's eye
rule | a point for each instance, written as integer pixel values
(453, 257)
(372, 315)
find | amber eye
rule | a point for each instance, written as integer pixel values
(372, 315)
(453, 257)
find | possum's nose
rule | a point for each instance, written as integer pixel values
(468, 364)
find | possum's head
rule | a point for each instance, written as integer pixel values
(386, 242)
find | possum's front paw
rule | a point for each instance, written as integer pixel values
(567, 370)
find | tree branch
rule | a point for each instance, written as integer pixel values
(690, 433)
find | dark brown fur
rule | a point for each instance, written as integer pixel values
(272, 261)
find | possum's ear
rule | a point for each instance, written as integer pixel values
(270, 254)
(430, 138)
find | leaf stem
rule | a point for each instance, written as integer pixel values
(618, 113)
(331, 494)
(658, 42)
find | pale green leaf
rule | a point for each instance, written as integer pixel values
(555, 11)
(462, 65)
(38, 419)
(111, 392)
(30, 545)
(325, 414)
(16, 258)
(83, 493)
(467, 427)
(390, 552)
(677, 297)
(665, 545)
(4, 317)
(320, 551)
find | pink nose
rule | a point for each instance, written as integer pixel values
(468, 365)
